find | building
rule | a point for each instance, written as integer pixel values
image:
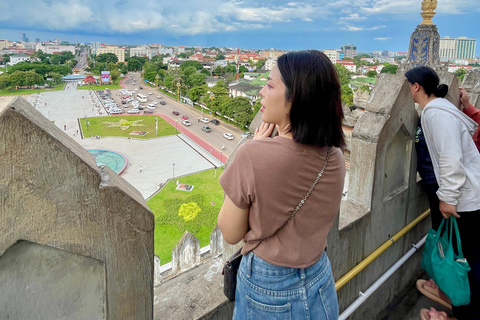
(466, 48)
(119, 52)
(272, 54)
(332, 54)
(270, 63)
(349, 64)
(17, 58)
(4, 43)
(349, 50)
(143, 51)
(24, 37)
(457, 48)
(52, 49)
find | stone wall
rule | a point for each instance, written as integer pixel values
(76, 240)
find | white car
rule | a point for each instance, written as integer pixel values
(133, 111)
(116, 111)
(228, 136)
(205, 120)
(136, 89)
(187, 123)
(149, 92)
(155, 102)
(159, 97)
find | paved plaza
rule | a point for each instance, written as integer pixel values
(159, 159)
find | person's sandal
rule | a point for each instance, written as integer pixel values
(432, 293)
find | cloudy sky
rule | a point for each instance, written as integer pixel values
(319, 24)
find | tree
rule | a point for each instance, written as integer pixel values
(260, 63)
(195, 93)
(107, 57)
(389, 68)
(195, 79)
(115, 74)
(191, 63)
(220, 57)
(218, 71)
(134, 65)
(205, 72)
(182, 55)
(186, 72)
(347, 95)
(57, 77)
(242, 109)
(371, 74)
(343, 74)
(55, 59)
(461, 73)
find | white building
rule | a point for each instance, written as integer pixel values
(18, 58)
(349, 64)
(52, 49)
(457, 48)
(270, 63)
(143, 51)
(332, 54)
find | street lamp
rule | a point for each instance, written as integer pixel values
(178, 91)
(156, 79)
(173, 173)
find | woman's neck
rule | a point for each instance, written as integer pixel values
(426, 100)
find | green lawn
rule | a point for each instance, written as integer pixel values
(98, 127)
(169, 227)
(99, 87)
(12, 91)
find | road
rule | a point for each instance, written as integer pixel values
(214, 138)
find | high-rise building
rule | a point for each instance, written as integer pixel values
(466, 48)
(349, 50)
(24, 37)
(37, 40)
(457, 48)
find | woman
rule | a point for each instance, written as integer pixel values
(448, 135)
(289, 273)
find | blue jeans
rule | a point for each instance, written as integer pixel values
(266, 291)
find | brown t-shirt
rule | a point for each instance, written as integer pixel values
(271, 176)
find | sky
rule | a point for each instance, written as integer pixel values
(248, 24)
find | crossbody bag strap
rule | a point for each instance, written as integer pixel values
(320, 174)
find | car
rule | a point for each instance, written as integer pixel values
(228, 136)
(136, 89)
(140, 87)
(187, 123)
(148, 111)
(245, 134)
(215, 122)
(149, 92)
(139, 107)
(206, 128)
(163, 103)
(184, 117)
(205, 120)
(134, 111)
(175, 113)
(116, 111)
(155, 102)
(159, 97)
(124, 101)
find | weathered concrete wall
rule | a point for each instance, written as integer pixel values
(53, 194)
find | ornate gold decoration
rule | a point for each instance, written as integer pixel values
(428, 7)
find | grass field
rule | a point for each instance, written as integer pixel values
(99, 87)
(96, 126)
(10, 91)
(169, 227)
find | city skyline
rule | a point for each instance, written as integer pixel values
(370, 25)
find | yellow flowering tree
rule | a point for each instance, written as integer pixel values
(189, 211)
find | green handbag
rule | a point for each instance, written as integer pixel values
(448, 270)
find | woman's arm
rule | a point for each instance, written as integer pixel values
(232, 221)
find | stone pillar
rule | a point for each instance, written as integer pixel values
(216, 242)
(186, 253)
(157, 276)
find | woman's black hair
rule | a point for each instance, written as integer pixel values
(313, 88)
(428, 79)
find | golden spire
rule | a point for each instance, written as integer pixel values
(427, 7)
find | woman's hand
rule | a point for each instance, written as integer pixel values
(265, 131)
(464, 100)
(448, 210)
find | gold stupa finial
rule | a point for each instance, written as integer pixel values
(427, 7)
